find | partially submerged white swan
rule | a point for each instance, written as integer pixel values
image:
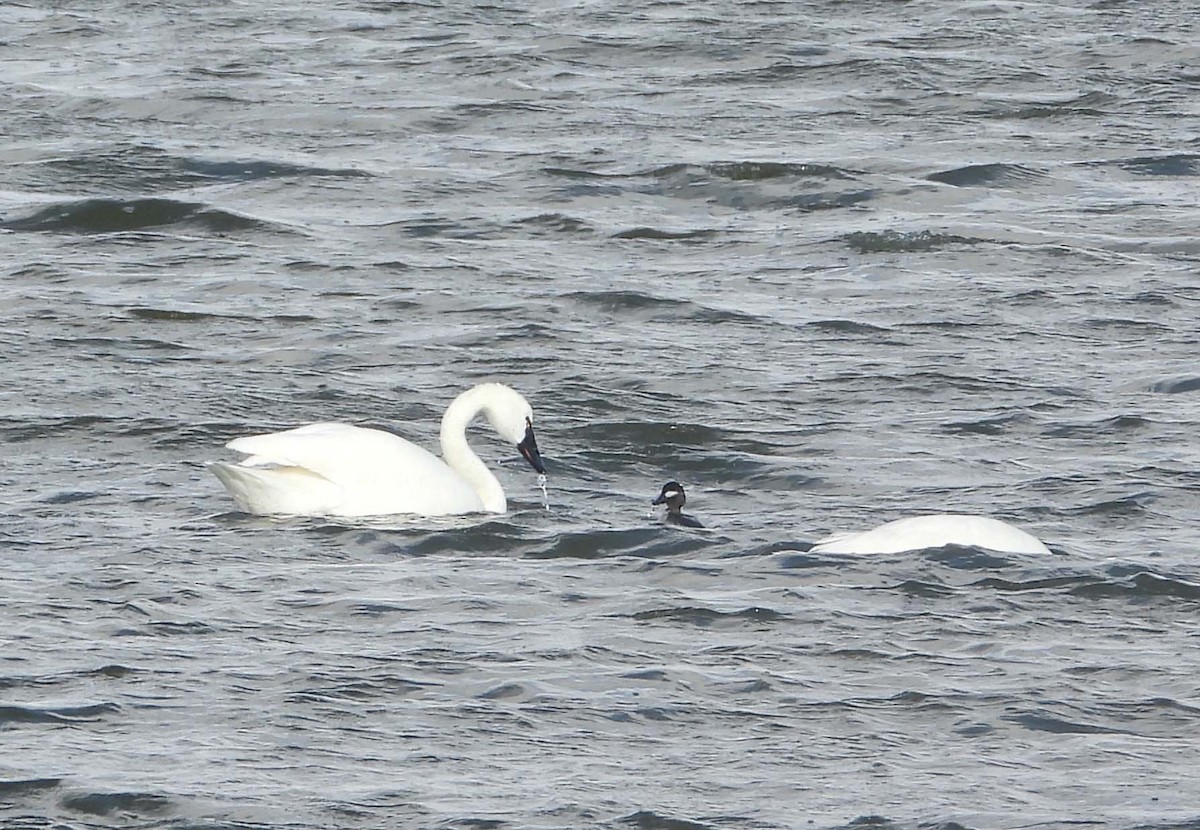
(923, 532)
(343, 470)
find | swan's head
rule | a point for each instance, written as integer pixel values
(512, 418)
(672, 496)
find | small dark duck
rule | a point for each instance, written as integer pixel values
(673, 497)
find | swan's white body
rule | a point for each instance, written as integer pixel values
(924, 532)
(343, 470)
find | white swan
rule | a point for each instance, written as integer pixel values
(923, 532)
(344, 470)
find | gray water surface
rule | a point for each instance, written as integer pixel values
(825, 264)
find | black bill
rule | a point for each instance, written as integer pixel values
(529, 451)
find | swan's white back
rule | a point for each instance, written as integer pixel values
(342, 470)
(924, 532)
(332, 469)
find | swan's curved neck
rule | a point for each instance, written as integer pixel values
(459, 455)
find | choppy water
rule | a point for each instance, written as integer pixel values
(826, 264)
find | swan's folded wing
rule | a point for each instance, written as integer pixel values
(338, 452)
(378, 471)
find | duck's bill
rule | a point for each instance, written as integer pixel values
(529, 451)
(661, 499)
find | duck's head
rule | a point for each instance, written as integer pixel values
(672, 496)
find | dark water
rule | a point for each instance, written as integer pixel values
(826, 264)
